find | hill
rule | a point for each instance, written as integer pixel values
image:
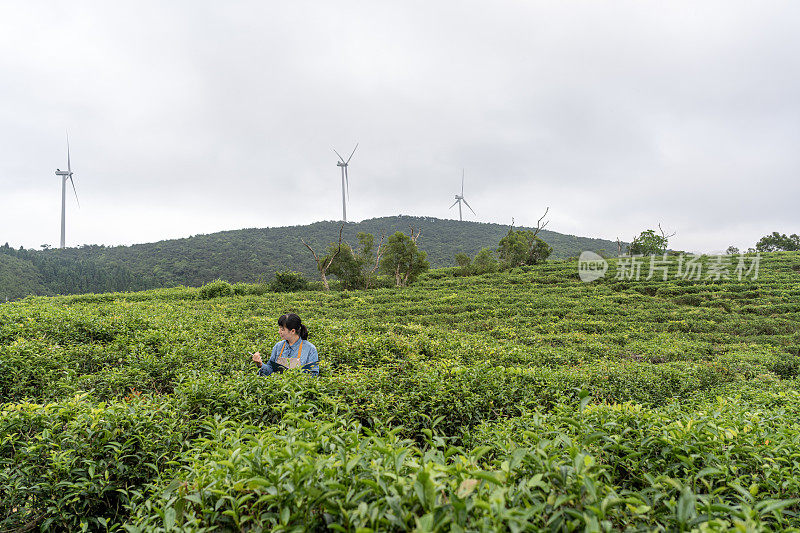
(515, 401)
(246, 255)
(19, 278)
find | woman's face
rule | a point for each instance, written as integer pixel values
(286, 334)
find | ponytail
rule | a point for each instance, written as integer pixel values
(292, 321)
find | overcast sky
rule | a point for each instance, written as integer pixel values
(195, 117)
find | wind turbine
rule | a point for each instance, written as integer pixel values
(66, 175)
(460, 198)
(345, 179)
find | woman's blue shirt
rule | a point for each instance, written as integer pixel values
(309, 359)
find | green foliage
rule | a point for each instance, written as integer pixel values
(288, 281)
(523, 400)
(355, 270)
(777, 242)
(241, 289)
(463, 260)
(484, 262)
(522, 247)
(647, 243)
(344, 266)
(19, 278)
(464, 263)
(215, 289)
(247, 255)
(367, 258)
(403, 260)
(77, 464)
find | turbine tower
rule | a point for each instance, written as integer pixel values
(460, 198)
(345, 179)
(66, 175)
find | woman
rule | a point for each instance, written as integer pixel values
(293, 351)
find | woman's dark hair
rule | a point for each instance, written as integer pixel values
(292, 321)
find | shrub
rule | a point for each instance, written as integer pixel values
(76, 464)
(288, 281)
(240, 289)
(215, 289)
(484, 262)
(520, 247)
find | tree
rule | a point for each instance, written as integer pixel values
(403, 259)
(365, 256)
(463, 260)
(356, 270)
(324, 263)
(777, 242)
(344, 265)
(484, 262)
(520, 247)
(647, 243)
(732, 250)
(465, 264)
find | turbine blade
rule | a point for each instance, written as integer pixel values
(462, 182)
(454, 204)
(470, 208)
(347, 182)
(351, 154)
(74, 190)
(69, 166)
(340, 155)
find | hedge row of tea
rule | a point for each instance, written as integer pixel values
(525, 400)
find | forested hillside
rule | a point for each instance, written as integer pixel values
(246, 255)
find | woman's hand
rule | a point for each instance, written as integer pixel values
(257, 358)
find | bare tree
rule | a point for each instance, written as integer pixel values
(539, 227)
(378, 254)
(323, 265)
(619, 247)
(663, 234)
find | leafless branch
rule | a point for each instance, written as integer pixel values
(339, 249)
(539, 226)
(312, 251)
(379, 253)
(415, 237)
(323, 268)
(663, 234)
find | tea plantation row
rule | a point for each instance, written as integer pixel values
(513, 401)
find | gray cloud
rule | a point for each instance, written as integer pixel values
(199, 116)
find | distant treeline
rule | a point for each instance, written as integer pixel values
(247, 255)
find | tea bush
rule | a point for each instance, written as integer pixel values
(76, 464)
(215, 289)
(521, 400)
(288, 281)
